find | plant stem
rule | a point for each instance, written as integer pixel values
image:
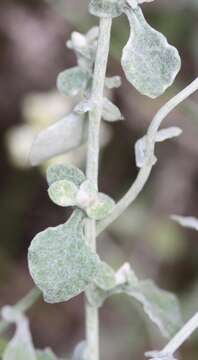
(145, 171)
(23, 305)
(92, 321)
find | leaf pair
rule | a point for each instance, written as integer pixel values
(161, 306)
(21, 346)
(61, 263)
(67, 192)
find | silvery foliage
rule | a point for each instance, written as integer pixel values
(80, 351)
(65, 192)
(70, 132)
(149, 62)
(161, 306)
(21, 346)
(60, 262)
(186, 221)
(162, 135)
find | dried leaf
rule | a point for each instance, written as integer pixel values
(59, 172)
(149, 62)
(70, 82)
(59, 138)
(21, 346)
(106, 8)
(110, 111)
(189, 221)
(63, 193)
(101, 208)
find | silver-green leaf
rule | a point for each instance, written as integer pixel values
(101, 208)
(149, 62)
(70, 82)
(60, 137)
(68, 172)
(63, 193)
(106, 8)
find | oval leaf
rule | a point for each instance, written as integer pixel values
(87, 194)
(60, 262)
(59, 138)
(106, 8)
(59, 172)
(70, 82)
(63, 193)
(149, 62)
(101, 208)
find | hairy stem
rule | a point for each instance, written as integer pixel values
(92, 321)
(23, 305)
(145, 171)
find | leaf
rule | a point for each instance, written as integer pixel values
(101, 208)
(162, 135)
(106, 8)
(83, 107)
(149, 62)
(61, 137)
(70, 82)
(161, 306)
(21, 346)
(46, 354)
(60, 262)
(186, 221)
(63, 193)
(113, 82)
(110, 111)
(59, 172)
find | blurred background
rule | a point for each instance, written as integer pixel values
(32, 48)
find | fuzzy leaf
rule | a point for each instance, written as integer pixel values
(70, 82)
(101, 208)
(113, 82)
(21, 346)
(60, 262)
(59, 172)
(168, 133)
(46, 354)
(61, 137)
(63, 193)
(161, 306)
(106, 8)
(149, 62)
(186, 221)
(110, 111)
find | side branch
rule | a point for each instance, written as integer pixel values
(145, 171)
